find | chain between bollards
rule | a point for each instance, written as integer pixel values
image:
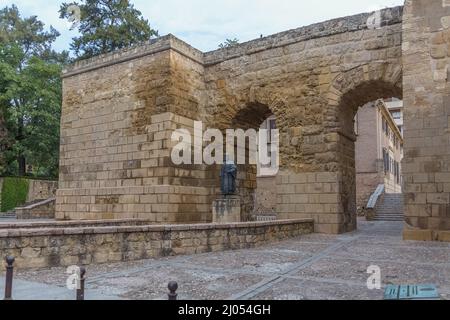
(80, 290)
(173, 286)
(9, 277)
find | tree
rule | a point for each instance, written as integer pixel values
(106, 25)
(30, 93)
(229, 43)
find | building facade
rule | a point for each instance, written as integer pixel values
(379, 151)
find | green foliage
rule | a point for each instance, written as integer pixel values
(106, 25)
(30, 94)
(14, 193)
(229, 43)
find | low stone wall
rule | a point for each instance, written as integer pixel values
(52, 247)
(41, 210)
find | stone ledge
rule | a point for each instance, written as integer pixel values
(44, 248)
(38, 204)
(390, 16)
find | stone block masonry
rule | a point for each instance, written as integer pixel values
(56, 246)
(120, 109)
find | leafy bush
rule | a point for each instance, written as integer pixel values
(14, 193)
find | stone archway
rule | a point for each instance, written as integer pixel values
(350, 91)
(248, 111)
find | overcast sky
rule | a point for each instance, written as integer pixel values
(206, 23)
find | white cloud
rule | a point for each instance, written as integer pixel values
(206, 23)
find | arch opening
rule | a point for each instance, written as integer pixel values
(370, 145)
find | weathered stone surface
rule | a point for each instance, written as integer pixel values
(38, 248)
(120, 109)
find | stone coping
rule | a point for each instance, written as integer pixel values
(25, 232)
(390, 16)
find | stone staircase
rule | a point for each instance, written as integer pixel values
(390, 208)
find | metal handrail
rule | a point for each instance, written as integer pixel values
(375, 196)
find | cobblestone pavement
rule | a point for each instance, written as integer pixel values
(310, 267)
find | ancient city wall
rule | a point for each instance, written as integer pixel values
(119, 111)
(116, 128)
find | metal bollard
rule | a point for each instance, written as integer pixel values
(80, 290)
(9, 277)
(173, 286)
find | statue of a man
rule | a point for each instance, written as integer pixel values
(228, 176)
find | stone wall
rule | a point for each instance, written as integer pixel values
(73, 224)
(41, 190)
(1, 186)
(42, 248)
(426, 58)
(312, 79)
(371, 141)
(368, 173)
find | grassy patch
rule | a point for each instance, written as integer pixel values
(14, 193)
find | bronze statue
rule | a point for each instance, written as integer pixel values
(228, 176)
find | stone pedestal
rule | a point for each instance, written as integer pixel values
(227, 209)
